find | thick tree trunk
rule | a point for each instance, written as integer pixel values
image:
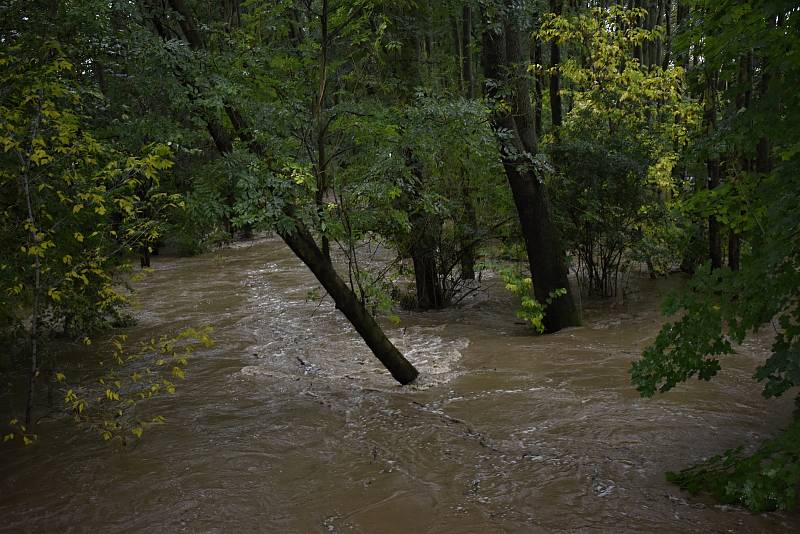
(430, 295)
(425, 231)
(502, 54)
(144, 256)
(468, 247)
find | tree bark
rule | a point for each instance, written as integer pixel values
(425, 230)
(468, 246)
(430, 295)
(538, 87)
(714, 241)
(714, 169)
(305, 248)
(321, 125)
(502, 57)
(668, 45)
(743, 98)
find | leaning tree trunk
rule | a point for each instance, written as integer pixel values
(502, 64)
(301, 241)
(305, 248)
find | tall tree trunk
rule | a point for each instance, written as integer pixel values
(638, 49)
(713, 166)
(466, 51)
(502, 58)
(652, 23)
(425, 231)
(556, 108)
(743, 97)
(714, 242)
(468, 245)
(667, 57)
(538, 87)
(681, 16)
(458, 51)
(430, 295)
(33, 239)
(320, 124)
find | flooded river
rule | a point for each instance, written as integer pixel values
(289, 424)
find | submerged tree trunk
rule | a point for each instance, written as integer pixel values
(430, 294)
(305, 248)
(425, 231)
(502, 57)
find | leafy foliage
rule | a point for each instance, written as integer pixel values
(758, 202)
(531, 311)
(619, 144)
(763, 481)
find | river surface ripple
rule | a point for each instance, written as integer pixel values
(290, 425)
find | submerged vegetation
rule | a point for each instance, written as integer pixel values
(581, 139)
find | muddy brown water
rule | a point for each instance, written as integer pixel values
(289, 425)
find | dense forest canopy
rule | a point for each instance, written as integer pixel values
(557, 142)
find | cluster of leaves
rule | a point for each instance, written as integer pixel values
(531, 310)
(619, 143)
(74, 205)
(722, 306)
(108, 405)
(108, 402)
(765, 480)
